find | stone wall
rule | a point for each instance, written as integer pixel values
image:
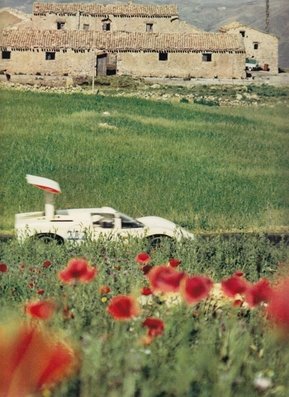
(128, 24)
(66, 62)
(147, 64)
(31, 80)
(261, 46)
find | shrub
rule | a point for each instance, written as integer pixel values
(206, 102)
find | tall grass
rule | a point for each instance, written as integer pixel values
(205, 168)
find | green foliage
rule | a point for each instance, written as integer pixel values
(207, 168)
(207, 102)
(126, 82)
(265, 90)
(184, 100)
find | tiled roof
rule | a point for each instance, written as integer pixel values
(120, 9)
(230, 25)
(120, 41)
(238, 25)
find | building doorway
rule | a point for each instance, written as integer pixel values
(101, 65)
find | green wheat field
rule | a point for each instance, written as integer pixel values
(206, 168)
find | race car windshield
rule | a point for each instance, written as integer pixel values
(129, 223)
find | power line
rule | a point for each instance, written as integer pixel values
(267, 23)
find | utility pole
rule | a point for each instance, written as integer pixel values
(267, 24)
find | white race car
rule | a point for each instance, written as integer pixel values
(80, 223)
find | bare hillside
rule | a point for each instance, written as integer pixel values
(211, 14)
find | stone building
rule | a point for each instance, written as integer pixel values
(258, 45)
(90, 53)
(129, 17)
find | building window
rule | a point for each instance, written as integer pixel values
(49, 56)
(207, 57)
(85, 26)
(242, 33)
(256, 46)
(149, 27)
(163, 56)
(6, 54)
(60, 25)
(106, 26)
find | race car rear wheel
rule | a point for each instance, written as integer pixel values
(161, 242)
(49, 238)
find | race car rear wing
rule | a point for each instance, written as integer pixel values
(50, 188)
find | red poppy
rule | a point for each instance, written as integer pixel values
(165, 279)
(3, 268)
(258, 292)
(234, 285)
(40, 291)
(278, 308)
(40, 309)
(123, 307)
(143, 258)
(31, 360)
(46, 264)
(90, 274)
(77, 269)
(238, 303)
(146, 291)
(239, 273)
(196, 288)
(104, 289)
(173, 262)
(155, 326)
(67, 313)
(146, 268)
